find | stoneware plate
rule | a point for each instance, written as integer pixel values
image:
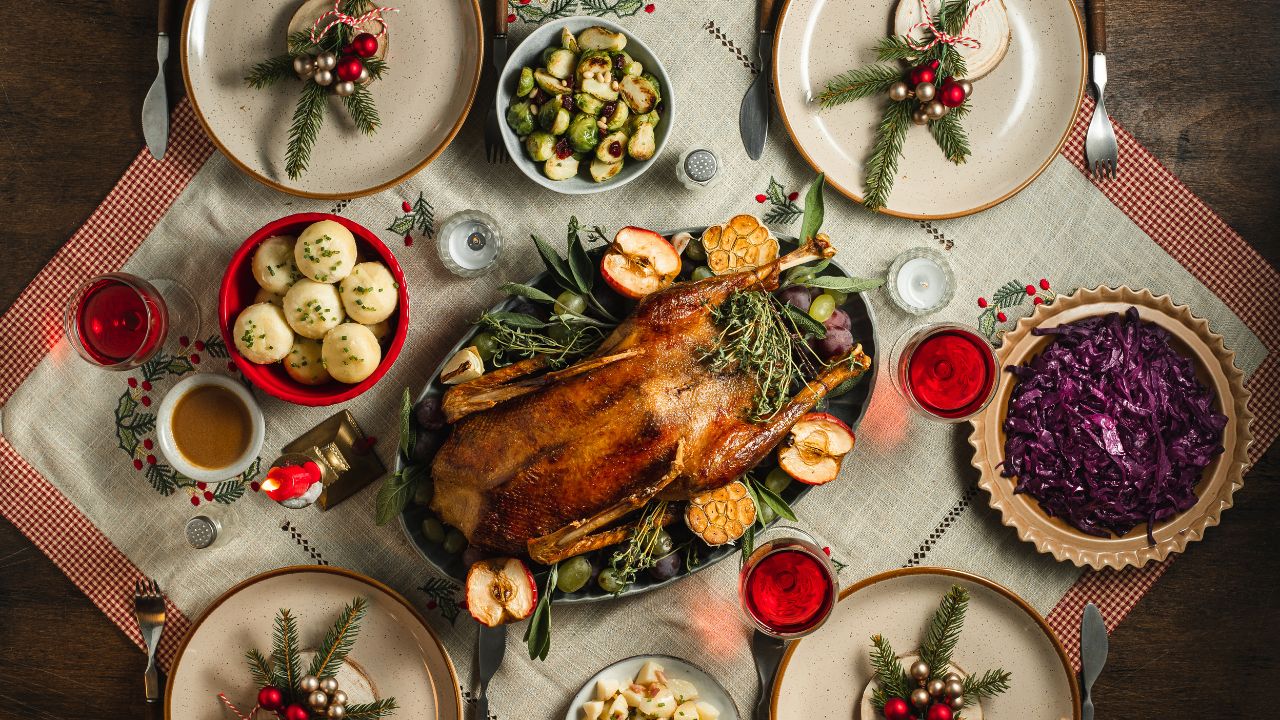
(1216, 369)
(395, 655)
(824, 675)
(1021, 114)
(709, 689)
(434, 57)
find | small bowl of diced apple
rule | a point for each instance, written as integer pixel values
(652, 686)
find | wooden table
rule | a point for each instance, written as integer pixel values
(1203, 643)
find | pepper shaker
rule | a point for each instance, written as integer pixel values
(698, 168)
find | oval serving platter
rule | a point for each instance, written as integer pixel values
(849, 407)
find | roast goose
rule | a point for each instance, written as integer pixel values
(547, 462)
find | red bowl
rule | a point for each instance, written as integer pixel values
(239, 288)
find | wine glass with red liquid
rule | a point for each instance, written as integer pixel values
(119, 321)
(946, 371)
(788, 584)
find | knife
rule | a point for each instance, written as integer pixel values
(155, 108)
(753, 116)
(491, 645)
(767, 652)
(500, 37)
(1093, 654)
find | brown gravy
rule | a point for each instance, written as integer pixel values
(211, 426)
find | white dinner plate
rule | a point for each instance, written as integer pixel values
(395, 654)
(624, 671)
(823, 676)
(433, 68)
(1022, 111)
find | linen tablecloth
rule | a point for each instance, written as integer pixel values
(82, 479)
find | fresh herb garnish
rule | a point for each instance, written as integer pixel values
(537, 636)
(638, 554)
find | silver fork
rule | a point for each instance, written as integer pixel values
(148, 605)
(494, 149)
(1100, 149)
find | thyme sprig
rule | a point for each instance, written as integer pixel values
(639, 554)
(517, 336)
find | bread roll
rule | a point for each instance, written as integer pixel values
(273, 264)
(369, 293)
(312, 308)
(305, 364)
(351, 353)
(261, 334)
(325, 251)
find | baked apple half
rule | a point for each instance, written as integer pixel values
(500, 591)
(815, 447)
(639, 262)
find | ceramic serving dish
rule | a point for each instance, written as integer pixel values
(529, 54)
(238, 290)
(1215, 368)
(709, 689)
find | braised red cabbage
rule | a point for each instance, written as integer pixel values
(1109, 427)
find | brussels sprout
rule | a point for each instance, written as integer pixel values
(541, 145)
(568, 41)
(657, 86)
(599, 38)
(520, 119)
(550, 83)
(600, 88)
(612, 147)
(561, 63)
(639, 94)
(601, 170)
(633, 68)
(618, 117)
(642, 145)
(649, 118)
(553, 117)
(524, 85)
(546, 55)
(583, 133)
(561, 168)
(594, 63)
(589, 104)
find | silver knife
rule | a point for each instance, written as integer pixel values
(753, 116)
(1093, 654)
(767, 652)
(491, 645)
(155, 108)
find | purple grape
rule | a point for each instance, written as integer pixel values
(429, 414)
(834, 345)
(667, 567)
(425, 446)
(472, 555)
(839, 320)
(796, 297)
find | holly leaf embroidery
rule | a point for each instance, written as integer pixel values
(402, 225)
(776, 193)
(987, 324)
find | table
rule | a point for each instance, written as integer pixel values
(1202, 643)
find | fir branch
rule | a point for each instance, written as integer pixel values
(858, 83)
(363, 112)
(950, 136)
(371, 711)
(269, 72)
(992, 683)
(308, 116)
(944, 629)
(891, 679)
(896, 47)
(286, 662)
(259, 668)
(338, 641)
(299, 42)
(376, 67)
(882, 166)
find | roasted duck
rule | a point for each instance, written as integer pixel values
(544, 462)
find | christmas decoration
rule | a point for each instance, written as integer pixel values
(270, 698)
(928, 689)
(932, 92)
(333, 58)
(1009, 296)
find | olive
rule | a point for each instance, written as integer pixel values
(777, 480)
(570, 303)
(485, 345)
(422, 494)
(702, 272)
(696, 251)
(609, 582)
(839, 320)
(424, 448)
(667, 567)
(573, 574)
(454, 542)
(822, 308)
(663, 544)
(434, 530)
(560, 332)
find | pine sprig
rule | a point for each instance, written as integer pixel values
(882, 166)
(286, 662)
(376, 67)
(858, 83)
(308, 116)
(259, 668)
(950, 135)
(338, 641)
(299, 42)
(992, 683)
(895, 48)
(944, 629)
(371, 711)
(271, 71)
(891, 679)
(362, 110)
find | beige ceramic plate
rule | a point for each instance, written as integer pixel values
(1216, 368)
(396, 654)
(824, 675)
(1022, 110)
(433, 69)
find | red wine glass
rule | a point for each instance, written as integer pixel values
(946, 371)
(119, 321)
(788, 584)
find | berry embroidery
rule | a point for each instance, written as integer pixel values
(1010, 295)
(783, 209)
(419, 216)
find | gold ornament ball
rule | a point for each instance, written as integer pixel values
(919, 671)
(935, 687)
(304, 65)
(344, 88)
(926, 91)
(326, 61)
(935, 110)
(329, 685)
(317, 700)
(365, 76)
(323, 78)
(919, 697)
(336, 712)
(309, 683)
(899, 91)
(337, 697)
(918, 117)
(951, 678)
(953, 689)
(967, 87)
(956, 703)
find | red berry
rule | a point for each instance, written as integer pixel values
(254, 486)
(524, 2)
(406, 206)
(202, 486)
(195, 359)
(231, 365)
(511, 17)
(827, 550)
(562, 148)
(1001, 317)
(1031, 289)
(938, 711)
(195, 500)
(208, 495)
(146, 401)
(982, 302)
(146, 385)
(408, 241)
(147, 443)
(896, 709)
(431, 604)
(792, 197)
(137, 464)
(761, 198)
(1044, 284)
(200, 345)
(133, 382)
(1038, 300)
(649, 8)
(349, 68)
(364, 45)
(184, 341)
(270, 698)
(151, 459)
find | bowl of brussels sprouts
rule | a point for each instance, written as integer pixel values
(586, 106)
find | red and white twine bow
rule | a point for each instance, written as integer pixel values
(230, 706)
(941, 36)
(355, 21)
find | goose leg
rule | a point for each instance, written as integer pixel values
(477, 395)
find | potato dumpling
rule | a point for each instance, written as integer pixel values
(369, 293)
(304, 362)
(380, 330)
(351, 353)
(273, 264)
(312, 308)
(325, 251)
(266, 296)
(261, 334)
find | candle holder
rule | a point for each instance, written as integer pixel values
(920, 281)
(469, 243)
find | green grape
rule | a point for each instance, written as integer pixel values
(422, 494)
(454, 542)
(696, 251)
(560, 332)
(609, 582)
(570, 303)
(702, 272)
(433, 529)
(777, 480)
(663, 544)
(485, 345)
(836, 295)
(573, 574)
(822, 308)
(767, 515)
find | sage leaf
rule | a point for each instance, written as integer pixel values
(537, 636)
(812, 210)
(516, 319)
(527, 291)
(555, 264)
(844, 284)
(393, 496)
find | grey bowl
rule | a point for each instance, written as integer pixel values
(529, 53)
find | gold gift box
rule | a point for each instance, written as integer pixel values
(343, 452)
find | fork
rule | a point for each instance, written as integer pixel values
(1100, 149)
(494, 148)
(148, 605)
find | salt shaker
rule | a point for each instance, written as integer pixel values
(698, 168)
(202, 531)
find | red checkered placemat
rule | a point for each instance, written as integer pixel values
(1145, 191)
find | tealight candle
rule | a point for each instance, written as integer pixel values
(920, 281)
(469, 243)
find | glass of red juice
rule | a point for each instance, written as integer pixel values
(788, 584)
(946, 371)
(119, 321)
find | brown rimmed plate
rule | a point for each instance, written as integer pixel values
(396, 653)
(823, 676)
(1216, 369)
(434, 65)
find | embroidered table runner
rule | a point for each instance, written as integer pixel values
(82, 477)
